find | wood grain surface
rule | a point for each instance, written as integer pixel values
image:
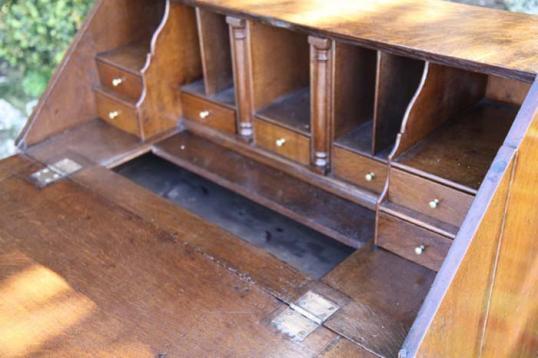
(121, 285)
(443, 31)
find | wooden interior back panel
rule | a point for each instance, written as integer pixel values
(116, 301)
(397, 81)
(280, 62)
(216, 52)
(354, 86)
(507, 90)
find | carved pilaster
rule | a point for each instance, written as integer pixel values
(320, 87)
(242, 75)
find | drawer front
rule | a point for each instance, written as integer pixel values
(359, 170)
(429, 198)
(117, 113)
(208, 113)
(120, 82)
(282, 141)
(412, 242)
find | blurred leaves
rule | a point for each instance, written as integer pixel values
(34, 35)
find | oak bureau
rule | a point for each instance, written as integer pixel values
(406, 130)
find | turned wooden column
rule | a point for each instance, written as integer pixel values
(242, 75)
(320, 93)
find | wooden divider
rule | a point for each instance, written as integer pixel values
(215, 49)
(397, 81)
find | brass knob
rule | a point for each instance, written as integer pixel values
(419, 250)
(117, 82)
(434, 203)
(113, 114)
(370, 176)
(280, 142)
(204, 114)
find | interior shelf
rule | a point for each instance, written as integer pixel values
(462, 149)
(358, 139)
(291, 110)
(226, 96)
(281, 76)
(130, 58)
(457, 125)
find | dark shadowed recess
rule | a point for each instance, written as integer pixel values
(308, 251)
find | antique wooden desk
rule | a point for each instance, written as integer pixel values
(407, 130)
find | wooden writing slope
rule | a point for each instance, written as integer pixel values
(406, 130)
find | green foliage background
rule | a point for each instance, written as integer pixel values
(34, 35)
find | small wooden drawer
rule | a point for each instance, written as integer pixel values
(208, 113)
(282, 141)
(119, 81)
(412, 242)
(429, 198)
(357, 169)
(118, 113)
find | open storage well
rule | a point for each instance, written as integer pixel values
(372, 90)
(281, 81)
(215, 80)
(457, 124)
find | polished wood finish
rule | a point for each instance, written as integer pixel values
(95, 142)
(174, 60)
(474, 263)
(119, 81)
(283, 281)
(332, 90)
(117, 112)
(216, 52)
(412, 242)
(443, 93)
(515, 332)
(208, 113)
(360, 170)
(397, 80)
(69, 100)
(321, 58)
(282, 141)
(280, 62)
(242, 71)
(354, 91)
(100, 274)
(416, 193)
(462, 150)
(386, 293)
(335, 217)
(435, 30)
(345, 348)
